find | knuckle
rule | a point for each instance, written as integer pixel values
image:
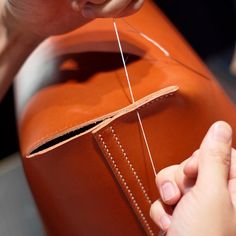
(221, 156)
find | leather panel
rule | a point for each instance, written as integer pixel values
(73, 85)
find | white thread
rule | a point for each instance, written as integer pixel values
(166, 53)
(123, 60)
(152, 41)
(132, 97)
(138, 209)
(146, 143)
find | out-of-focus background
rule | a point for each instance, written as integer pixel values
(208, 25)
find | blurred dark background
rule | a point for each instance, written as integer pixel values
(208, 25)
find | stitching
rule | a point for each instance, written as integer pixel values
(115, 167)
(156, 100)
(36, 143)
(131, 166)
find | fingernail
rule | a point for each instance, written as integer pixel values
(75, 6)
(165, 222)
(87, 12)
(222, 132)
(168, 191)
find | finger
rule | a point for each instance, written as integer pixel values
(232, 178)
(191, 167)
(232, 174)
(96, 1)
(172, 183)
(132, 8)
(78, 5)
(214, 157)
(167, 186)
(160, 216)
(233, 64)
(108, 9)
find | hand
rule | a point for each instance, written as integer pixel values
(26, 23)
(233, 64)
(199, 195)
(43, 18)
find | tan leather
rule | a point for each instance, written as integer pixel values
(82, 148)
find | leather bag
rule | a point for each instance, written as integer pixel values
(81, 142)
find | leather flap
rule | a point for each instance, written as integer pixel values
(96, 124)
(126, 165)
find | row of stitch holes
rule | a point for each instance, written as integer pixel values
(131, 166)
(156, 100)
(126, 186)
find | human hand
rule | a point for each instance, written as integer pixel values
(233, 64)
(199, 195)
(26, 23)
(43, 18)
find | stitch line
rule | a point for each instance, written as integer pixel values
(156, 100)
(131, 166)
(115, 167)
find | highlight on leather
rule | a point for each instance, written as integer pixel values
(82, 146)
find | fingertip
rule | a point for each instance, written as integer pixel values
(168, 188)
(165, 222)
(222, 131)
(153, 210)
(134, 7)
(215, 156)
(170, 193)
(77, 5)
(191, 167)
(160, 216)
(138, 4)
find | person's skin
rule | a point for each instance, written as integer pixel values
(233, 64)
(198, 197)
(207, 207)
(24, 24)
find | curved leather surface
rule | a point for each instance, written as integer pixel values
(76, 125)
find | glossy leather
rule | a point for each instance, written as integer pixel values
(82, 149)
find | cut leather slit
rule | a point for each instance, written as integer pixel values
(64, 137)
(56, 140)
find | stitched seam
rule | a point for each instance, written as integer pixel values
(36, 143)
(131, 166)
(117, 170)
(156, 100)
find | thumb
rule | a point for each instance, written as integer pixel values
(215, 157)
